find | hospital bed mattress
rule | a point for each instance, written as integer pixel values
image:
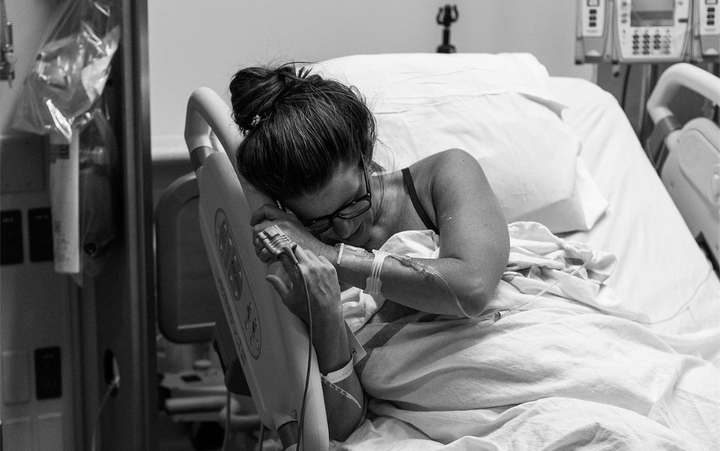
(660, 269)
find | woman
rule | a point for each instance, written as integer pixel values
(309, 146)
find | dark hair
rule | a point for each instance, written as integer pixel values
(298, 127)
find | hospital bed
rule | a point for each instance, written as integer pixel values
(556, 150)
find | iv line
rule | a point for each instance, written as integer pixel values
(409, 262)
(549, 287)
(497, 314)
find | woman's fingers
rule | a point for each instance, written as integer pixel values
(279, 285)
(269, 215)
(266, 213)
(302, 255)
(263, 254)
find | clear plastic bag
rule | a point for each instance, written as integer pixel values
(70, 69)
(59, 98)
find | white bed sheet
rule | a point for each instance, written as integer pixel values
(660, 270)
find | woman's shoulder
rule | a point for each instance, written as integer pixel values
(451, 161)
(451, 156)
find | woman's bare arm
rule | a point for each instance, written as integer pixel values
(474, 242)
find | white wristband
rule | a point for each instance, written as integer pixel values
(339, 375)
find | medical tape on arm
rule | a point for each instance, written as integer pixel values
(373, 284)
(350, 257)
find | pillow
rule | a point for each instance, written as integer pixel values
(496, 107)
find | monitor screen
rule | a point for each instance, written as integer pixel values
(652, 13)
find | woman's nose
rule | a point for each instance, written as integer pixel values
(343, 228)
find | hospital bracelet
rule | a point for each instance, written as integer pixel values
(331, 379)
(339, 375)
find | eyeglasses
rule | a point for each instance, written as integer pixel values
(350, 210)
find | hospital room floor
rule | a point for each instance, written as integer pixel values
(178, 436)
(175, 436)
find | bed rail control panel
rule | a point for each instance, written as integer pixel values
(647, 31)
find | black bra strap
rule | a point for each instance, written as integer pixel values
(407, 178)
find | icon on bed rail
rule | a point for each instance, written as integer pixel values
(245, 314)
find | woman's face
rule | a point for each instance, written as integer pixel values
(347, 185)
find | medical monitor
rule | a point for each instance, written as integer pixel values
(647, 31)
(652, 13)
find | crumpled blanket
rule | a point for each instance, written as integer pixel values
(562, 366)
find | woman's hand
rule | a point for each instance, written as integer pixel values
(269, 215)
(329, 334)
(315, 276)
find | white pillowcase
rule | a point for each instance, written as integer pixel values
(496, 107)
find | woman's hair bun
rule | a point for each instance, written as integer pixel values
(256, 91)
(298, 127)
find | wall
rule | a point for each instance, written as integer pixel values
(37, 316)
(38, 309)
(195, 43)
(46, 312)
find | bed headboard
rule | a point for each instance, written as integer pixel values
(187, 301)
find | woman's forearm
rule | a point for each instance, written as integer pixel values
(445, 286)
(343, 399)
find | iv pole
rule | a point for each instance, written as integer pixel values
(446, 16)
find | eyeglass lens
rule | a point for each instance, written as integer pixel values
(352, 211)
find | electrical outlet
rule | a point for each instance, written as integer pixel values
(11, 231)
(40, 235)
(48, 373)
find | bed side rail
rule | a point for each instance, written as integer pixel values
(271, 343)
(677, 76)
